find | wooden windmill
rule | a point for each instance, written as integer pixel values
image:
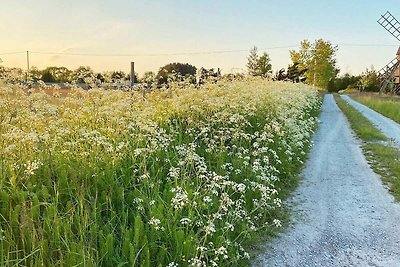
(390, 74)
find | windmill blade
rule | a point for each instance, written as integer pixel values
(391, 24)
(388, 69)
(386, 74)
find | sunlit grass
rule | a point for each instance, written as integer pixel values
(187, 176)
(386, 162)
(387, 106)
(383, 158)
(361, 125)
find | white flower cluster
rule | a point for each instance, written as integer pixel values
(202, 167)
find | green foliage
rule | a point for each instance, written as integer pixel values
(317, 60)
(264, 67)
(82, 74)
(385, 161)
(252, 61)
(295, 73)
(258, 65)
(369, 81)
(386, 105)
(110, 180)
(47, 76)
(344, 82)
(383, 158)
(182, 70)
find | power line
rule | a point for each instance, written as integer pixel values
(189, 53)
(160, 54)
(369, 45)
(12, 53)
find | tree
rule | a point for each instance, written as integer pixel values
(317, 60)
(148, 76)
(343, 82)
(369, 81)
(56, 74)
(83, 75)
(280, 75)
(258, 65)
(210, 75)
(35, 74)
(135, 76)
(117, 76)
(47, 76)
(294, 73)
(252, 62)
(148, 79)
(264, 67)
(180, 70)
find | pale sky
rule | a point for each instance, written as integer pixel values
(154, 33)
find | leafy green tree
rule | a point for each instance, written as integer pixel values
(294, 73)
(280, 75)
(56, 74)
(149, 79)
(184, 70)
(63, 74)
(258, 65)
(83, 75)
(148, 76)
(264, 67)
(369, 81)
(317, 60)
(136, 76)
(47, 76)
(117, 76)
(100, 77)
(35, 74)
(343, 82)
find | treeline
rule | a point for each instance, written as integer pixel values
(315, 64)
(84, 74)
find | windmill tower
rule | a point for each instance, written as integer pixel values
(390, 74)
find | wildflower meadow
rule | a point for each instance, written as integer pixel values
(182, 176)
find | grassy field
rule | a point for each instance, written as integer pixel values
(387, 106)
(384, 159)
(185, 177)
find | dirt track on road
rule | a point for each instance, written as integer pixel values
(343, 214)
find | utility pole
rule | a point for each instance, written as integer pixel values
(132, 74)
(27, 63)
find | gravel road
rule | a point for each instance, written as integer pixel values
(387, 126)
(343, 214)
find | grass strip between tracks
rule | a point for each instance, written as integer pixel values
(384, 159)
(387, 106)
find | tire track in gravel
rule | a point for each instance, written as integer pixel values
(387, 126)
(344, 215)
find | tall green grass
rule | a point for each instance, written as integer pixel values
(383, 158)
(387, 106)
(186, 177)
(361, 125)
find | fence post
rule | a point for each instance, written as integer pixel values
(132, 74)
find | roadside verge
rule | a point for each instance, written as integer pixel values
(383, 158)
